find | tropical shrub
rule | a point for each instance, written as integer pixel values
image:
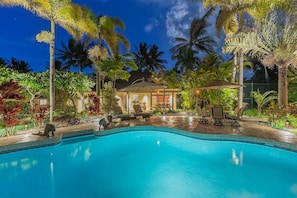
(109, 99)
(94, 105)
(39, 114)
(251, 112)
(263, 99)
(10, 91)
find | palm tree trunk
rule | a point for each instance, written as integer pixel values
(235, 57)
(282, 85)
(266, 75)
(240, 80)
(52, 71)
(98, 84)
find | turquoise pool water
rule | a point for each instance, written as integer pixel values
(149, 163)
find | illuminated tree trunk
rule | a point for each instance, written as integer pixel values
(235, 67)
(240, 80)
(52, 71)
(283, 85)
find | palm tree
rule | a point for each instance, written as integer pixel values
(148, 58)
(186, 60)
(3, 62)
(75, 54)
(213, 67)
(108, 38)
(198, 39)
(274, 42)
(231, 19)
(74, 19)
(20, 66)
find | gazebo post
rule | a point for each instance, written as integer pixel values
(128, 101)
(151, 101)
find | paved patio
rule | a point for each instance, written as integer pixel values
(26, 139)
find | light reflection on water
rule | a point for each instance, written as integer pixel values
(237, 158)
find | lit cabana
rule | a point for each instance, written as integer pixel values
(142, 86)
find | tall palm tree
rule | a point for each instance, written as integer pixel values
(108, 37)
(74, 19)
(274, 42)
(75, 54)
(186, 60)
(110, 32)
(198, 38)
(148, 58)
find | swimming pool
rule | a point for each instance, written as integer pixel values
(149, 162)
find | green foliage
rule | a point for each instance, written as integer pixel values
(68, 86)
(263, 99)
(292, 120)
(109, 99)
(251, 112)
(116, 68)
(282, 117)
(272, 40)
(33, 85)
(73, 83)
(279, 123)
(157, 111)
(228, 97)
(65, 104)
(188, 91)
(7, 74)
(171, 78)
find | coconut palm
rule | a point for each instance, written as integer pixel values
(74, 19)
(186, 60)
(198, 38)
(75, 54)
(19, 65)
(108, 37)
(274, 42)
(148, 58)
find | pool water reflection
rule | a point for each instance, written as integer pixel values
(149, 163)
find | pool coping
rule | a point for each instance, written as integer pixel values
(211, 137)
(45, 141)
(42, 141)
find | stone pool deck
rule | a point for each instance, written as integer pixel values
(26, 140)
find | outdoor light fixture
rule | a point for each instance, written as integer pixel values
(287, 123)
